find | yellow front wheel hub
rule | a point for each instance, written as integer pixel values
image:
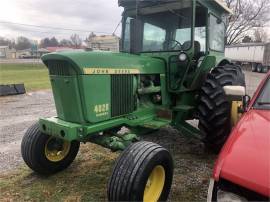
(154, 185)
(235, 115)
(56, 149)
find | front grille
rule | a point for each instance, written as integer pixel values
(122, 97)
(58, 67)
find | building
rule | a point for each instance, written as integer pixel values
(7, 53)
(104, 43)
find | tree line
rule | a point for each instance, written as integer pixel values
(22, 43)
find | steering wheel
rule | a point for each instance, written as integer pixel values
(177, 43)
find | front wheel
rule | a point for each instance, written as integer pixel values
(143, 172)
(46, 154)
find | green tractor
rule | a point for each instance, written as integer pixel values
(171, 69)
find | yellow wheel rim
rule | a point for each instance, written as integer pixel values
(154, 185)
(235, 115)
(56, 149)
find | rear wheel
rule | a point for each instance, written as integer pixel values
(265, 69)
(259, 68)
(46, 154)
(217, 114)
(143, 172)
(253, 67)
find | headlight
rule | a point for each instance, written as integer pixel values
(182, 57)
(223, 196)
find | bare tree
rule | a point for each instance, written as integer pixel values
(76, 40)
(23, 43)
(260, 35)
(47, 42)
(247, 39)
(247, 15)
(7, 42)
(65, 43)
(90, 37)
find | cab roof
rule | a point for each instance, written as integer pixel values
(223, 5)
(132, 3)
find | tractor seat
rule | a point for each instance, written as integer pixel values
(197, 49)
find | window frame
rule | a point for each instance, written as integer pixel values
(193, 11)
(255, 104)
(207, 45)
(208, 32)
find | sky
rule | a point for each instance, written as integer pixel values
(90, 15)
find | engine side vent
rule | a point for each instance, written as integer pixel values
(60, 68)
(122, 97)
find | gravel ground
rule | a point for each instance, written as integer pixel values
(17, 113)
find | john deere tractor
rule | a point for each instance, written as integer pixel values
(171, 69)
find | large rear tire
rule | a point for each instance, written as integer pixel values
(214, 107)
(45, 154)
(143, 172)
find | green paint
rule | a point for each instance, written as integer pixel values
(98, 91)
(97, 108)
(66, 96)
(114, 143)
(108, 60)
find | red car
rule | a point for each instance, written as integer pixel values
(242, 170)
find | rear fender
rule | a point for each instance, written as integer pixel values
(223, 61)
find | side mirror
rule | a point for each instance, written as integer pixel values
(246, 101)
(136, 35)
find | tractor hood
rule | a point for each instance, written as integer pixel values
(107, 62)
(91, 87)
(244, 160)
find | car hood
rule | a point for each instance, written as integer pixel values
(245, 158)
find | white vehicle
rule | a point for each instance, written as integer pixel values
(256, 54)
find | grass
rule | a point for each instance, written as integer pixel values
(84, 180)
(34, 76)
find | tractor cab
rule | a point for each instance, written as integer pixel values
(180, 32)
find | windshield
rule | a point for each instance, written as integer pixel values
(166, 26)
(263, 101)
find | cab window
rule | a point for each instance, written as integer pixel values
(216, 34)
(153, 38)
(263, 100)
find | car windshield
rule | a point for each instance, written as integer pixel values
(263, 101)
(166, 26)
